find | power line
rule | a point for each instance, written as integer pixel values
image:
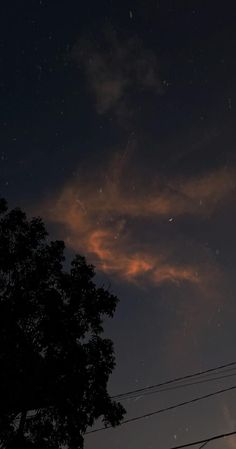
(205, 441)
(177, 379)
(203, 445)
(176, 387)
(162, 410)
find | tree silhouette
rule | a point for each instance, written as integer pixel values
(55, 363)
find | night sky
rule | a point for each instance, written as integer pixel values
(118, 127)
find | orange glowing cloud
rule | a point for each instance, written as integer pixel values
(99, 220)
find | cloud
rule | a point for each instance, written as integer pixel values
(108, 220)
(107, 242)
(115, 69)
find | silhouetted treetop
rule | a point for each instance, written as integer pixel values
(55, 362)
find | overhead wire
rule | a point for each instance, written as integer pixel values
(163, 410)
(203, 445)
(205, 441)
(174, 380)
(175, 387)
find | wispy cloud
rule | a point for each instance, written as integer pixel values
(115, 69)
(101, 218)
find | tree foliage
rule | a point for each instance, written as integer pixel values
(55, 362)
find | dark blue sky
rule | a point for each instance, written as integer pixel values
(117, 125)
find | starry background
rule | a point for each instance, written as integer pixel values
(118, 127)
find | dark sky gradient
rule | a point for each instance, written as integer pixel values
(118, 127)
